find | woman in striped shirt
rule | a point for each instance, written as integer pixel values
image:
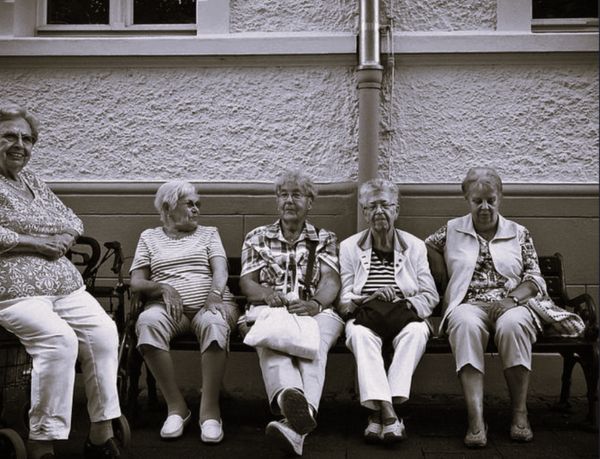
(180, 269)
(385, 269)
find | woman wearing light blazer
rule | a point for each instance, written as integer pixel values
(387, 264)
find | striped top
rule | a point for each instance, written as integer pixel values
(381, 274)
(182, 263)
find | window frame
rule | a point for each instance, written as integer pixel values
(517, 16)
(120, 21)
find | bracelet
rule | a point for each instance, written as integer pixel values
(217, 292)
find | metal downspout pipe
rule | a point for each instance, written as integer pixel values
(370, 75)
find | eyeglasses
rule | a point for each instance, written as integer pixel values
(284, 196)
(384, 205)
(13, 137)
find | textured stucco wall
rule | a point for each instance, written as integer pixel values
(197, 123)
(342, 15)
(534, 122)
(293, 15)
(440, 15)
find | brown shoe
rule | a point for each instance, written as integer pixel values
(520, 433)
(476, 439)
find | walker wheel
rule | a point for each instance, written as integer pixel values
(11, 445)
(122, 431)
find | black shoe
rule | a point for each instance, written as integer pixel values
(107, 450)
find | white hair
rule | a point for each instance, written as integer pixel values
(169, 193)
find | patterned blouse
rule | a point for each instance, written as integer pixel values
(487, 284)
(182, 263)
(22, 274)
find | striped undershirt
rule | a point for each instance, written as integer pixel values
(381, 273)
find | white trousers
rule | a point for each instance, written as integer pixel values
(282, 371)
(56, 331)
(373, 382)
(469, 327)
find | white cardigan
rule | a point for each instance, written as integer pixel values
(411, 270)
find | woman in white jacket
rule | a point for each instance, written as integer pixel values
(493, 272)
(384, 270)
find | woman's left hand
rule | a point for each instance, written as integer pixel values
(497, 308)
(303, 308)
(385, 293)
(215, 307)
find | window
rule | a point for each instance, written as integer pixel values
(116, 16)
(565, 15)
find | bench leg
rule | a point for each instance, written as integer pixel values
(151, 384)
(589, 363)
(134, 369)
(569, 362)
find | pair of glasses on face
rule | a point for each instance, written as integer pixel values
(284, 196)
(13, 137)
(384, 205)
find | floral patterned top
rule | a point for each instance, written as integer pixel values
(23, 274)
(487, 284)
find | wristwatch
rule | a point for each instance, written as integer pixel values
(515, 300)
(318, 303)
(217, 292)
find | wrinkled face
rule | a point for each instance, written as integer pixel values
(484, 202)
(292, 204)
(16, 143)
(380, 210)
(185, 215)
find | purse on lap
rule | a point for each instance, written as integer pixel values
(385, 318)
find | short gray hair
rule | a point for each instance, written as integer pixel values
(377, 185)
(303, 181)
(486, 176)
(10, 111)
(169, 193)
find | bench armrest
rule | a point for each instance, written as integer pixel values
(584, 306)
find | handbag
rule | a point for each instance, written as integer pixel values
(277, 329)
(385, 318)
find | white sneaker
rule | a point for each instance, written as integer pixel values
(372, 433)
(174, 425)
(285, 437)
(211, 431)
(394, 432)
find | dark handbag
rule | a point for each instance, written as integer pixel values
(385, 318)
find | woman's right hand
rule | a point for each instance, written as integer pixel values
(172, 301)
(276, 300)
(52, 247)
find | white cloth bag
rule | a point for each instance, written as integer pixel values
(277, 329)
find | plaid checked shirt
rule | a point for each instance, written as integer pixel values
(266, 249)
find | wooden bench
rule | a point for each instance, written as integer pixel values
(582, 350)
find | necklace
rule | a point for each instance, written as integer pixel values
(18, 185)
(175, 234)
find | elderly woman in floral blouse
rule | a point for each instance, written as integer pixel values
(44, 303)
(493, 273)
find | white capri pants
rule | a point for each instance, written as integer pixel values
(281, 371)
(373, 382)
(156, 328)
(56, 331)
(469, 326)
